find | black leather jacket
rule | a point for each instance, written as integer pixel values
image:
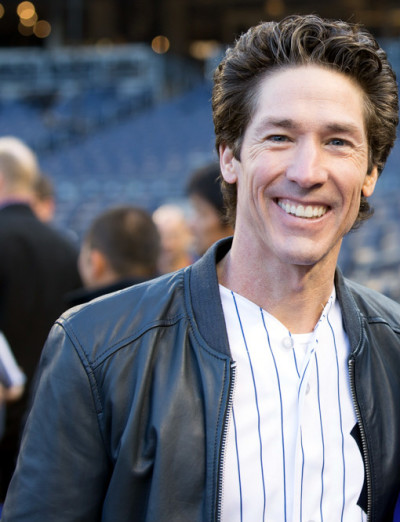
(129, 416)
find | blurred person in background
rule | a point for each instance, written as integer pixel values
(43, 204)
(12, 379)
(38, 266)
(257, 383)
(176, 239)
(44, 200)
(208, 223)
(121, 248)
(12, 382)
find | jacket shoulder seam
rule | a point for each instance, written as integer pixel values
(94, 387)
(381, 320)
(84, 360)
(120, 343)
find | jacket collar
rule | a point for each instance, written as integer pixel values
(203, 297)
(352, 318)
(207, 308)
(16, 206)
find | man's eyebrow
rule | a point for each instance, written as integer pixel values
(288, 123)
(284, 123)
(348, 128)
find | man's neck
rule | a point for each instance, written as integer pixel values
(295, 295)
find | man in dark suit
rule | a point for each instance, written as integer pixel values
(38, 266)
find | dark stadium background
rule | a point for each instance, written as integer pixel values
(114, 96)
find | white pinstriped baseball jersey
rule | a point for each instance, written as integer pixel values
(290, 455)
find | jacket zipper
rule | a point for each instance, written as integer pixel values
(363, 438)
(223, 441)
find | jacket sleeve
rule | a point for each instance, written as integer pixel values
(62, 470)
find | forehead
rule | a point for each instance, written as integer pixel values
(310, 94)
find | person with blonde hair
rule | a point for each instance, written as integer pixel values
(37, 268)
(175, 236)
(22, 178)
(208, 222)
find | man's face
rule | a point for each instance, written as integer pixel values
(205, 224)
(303, 166)
(85, 265)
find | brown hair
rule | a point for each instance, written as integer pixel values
(128, 238)
(301, 40)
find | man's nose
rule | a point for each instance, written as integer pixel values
(307, 167)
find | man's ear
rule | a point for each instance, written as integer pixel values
(98, 264)
(228, 164)
(370, 182)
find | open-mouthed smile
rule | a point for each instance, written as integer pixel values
(303, 211)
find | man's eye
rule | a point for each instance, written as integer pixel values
(337, 142)
(277, 138)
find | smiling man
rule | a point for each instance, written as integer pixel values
(257, 384)
(303, 165)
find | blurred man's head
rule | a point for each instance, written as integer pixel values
(175, 237)
(121, 243)
(208, 223)
(43, 202)
(19, 169)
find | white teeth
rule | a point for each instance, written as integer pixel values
(301, 211)
(309, 212)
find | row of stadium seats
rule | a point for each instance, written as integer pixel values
(142, 160)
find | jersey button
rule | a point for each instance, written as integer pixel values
(287, 342)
